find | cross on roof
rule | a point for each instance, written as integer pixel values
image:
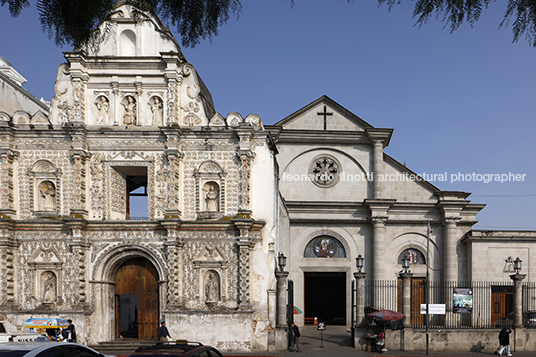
(325, 114)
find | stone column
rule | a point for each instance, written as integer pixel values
(450, 259)
(380, 139)
(406, 297)
(377, 167)
(378, 247)
(518, 298)
(360, 298)
(282, 277)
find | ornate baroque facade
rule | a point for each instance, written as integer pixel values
(136, 116)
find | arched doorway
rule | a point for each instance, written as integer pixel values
(136, 300)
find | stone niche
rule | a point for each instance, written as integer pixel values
(210, 191)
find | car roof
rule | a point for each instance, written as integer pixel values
(37, 346)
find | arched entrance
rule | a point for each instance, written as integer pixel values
(136, 300)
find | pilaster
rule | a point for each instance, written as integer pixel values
(379, 216)
(246, 156)
(7, 194)
(380, 139)
(451, 203)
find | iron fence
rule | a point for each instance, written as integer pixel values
(486, 304)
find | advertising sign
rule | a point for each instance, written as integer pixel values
(462, 301)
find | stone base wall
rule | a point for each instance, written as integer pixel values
(231, 331)
(484, 340)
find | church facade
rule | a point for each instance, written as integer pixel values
(128, 200)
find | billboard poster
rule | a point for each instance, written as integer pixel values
(463, 301)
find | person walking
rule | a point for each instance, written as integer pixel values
(504, 341)
(294, 338)
(163, 332)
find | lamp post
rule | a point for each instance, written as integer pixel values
(360, 290)
(518, 290)
(406, 275)
(405, 264)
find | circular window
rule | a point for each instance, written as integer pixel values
(324, 171)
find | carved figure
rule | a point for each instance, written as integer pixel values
(49, 287)
(102, 107)
(157, 111)
(129, 116)
(212, 288)
(212, 198)
(48, 196)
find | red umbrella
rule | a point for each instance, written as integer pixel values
(386, 315)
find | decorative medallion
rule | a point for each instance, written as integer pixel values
(324, 171)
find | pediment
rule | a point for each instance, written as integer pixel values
(324, 114)
(210, 257)
(45, 258)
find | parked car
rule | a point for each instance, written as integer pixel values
(528, 320)
(46, 349)
(180, 348)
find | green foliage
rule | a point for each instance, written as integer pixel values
(74, 22)
(456, 12)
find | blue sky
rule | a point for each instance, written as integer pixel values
(459, 103)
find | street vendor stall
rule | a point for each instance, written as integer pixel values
(378, 322)
(49, 325)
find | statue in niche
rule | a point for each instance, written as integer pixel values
(212, 287)
(103, 105)
(48, 196)
(212, 197)
(49, 286)
(157, 110)
(129, 115)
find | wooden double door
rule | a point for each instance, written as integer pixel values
(136, 300)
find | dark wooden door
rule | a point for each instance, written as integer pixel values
(418, 293)
(502, 301)
(136, 290)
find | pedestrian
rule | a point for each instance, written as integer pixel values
(504, 341)
(69, 333)
(294, 338)
(163, 332)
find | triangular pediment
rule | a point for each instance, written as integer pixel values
(45, 256)
(210, 257)
(324, 114)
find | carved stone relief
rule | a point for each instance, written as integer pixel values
(102, 106)
(130, 110)
(48, 286)
(156, 106)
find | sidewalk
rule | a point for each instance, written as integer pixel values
(337, 342)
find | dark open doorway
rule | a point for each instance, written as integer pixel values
(325, 297)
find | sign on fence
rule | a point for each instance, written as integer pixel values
(433, 309)
(462, 301)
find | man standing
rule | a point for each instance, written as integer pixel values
(69, 333)
(163, 332)
(294, 338)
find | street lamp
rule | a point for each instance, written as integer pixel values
(405, 264)
(517, 265)
(281, 261)
(359, 263)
